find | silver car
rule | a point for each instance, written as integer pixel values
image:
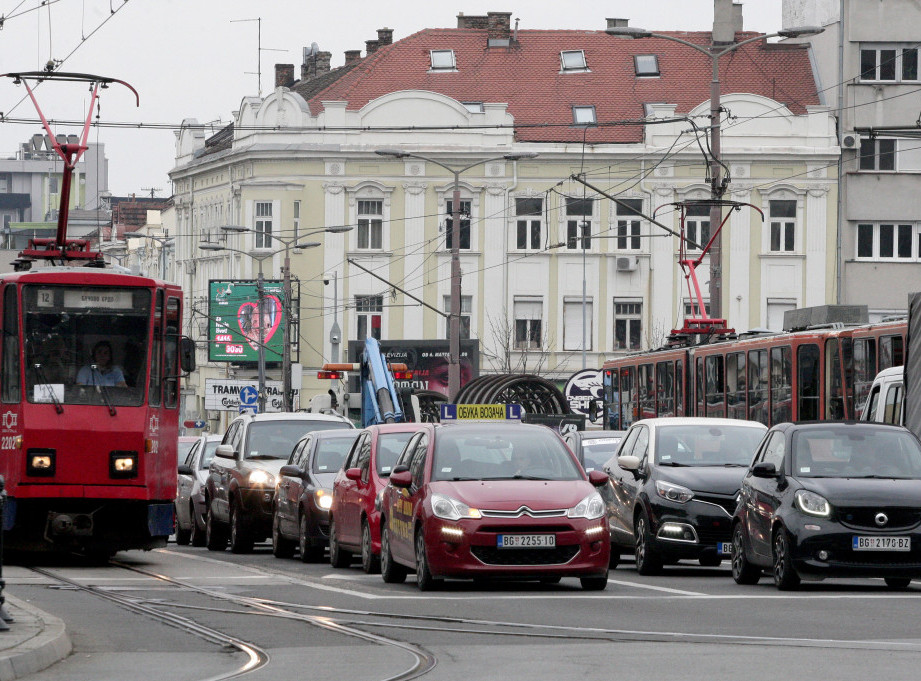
(190, 495)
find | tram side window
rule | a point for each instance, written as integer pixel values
(808, 367)
(11, 380)
(864, 371)
(679, 388)
(716, 386)
(735, 385)
(646, 386)
(758, 386)
(665, 388)
(890, 352)
(834, 386)
(155, 353)
(627, 379)
(611, 399)
(781, 384)
(699, 389)
(171, 354)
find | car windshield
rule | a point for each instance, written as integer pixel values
(706, 445)
(597, 451)
(276, 439)
(389, 448)
(210, 447)
(494, 452)
(331, 452)
(856, 452)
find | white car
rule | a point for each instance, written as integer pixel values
(190, 495)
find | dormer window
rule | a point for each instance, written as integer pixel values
(573, 60)
(443, 60)
(583, 115)
(647, 65)
(474, 107)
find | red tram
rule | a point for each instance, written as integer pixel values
(813, 374)
(90, 362)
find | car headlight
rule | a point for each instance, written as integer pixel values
(261, 478)
(451, 509)
(591, 507)
(324, 498)
(811, 503)
(676, 493)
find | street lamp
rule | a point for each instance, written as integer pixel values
(717, 186)
(454, 319)
(286, 342)
(165, 242)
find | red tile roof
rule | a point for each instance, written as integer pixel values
(527, 77)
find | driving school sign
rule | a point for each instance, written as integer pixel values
(224, 394)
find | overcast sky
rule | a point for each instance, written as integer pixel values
(198, 58)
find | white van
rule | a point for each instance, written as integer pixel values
(885, 403)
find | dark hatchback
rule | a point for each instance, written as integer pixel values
(675, 485)
(831, 499)
(593, 448)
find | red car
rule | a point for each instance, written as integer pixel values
(485, 500)
(355, 512)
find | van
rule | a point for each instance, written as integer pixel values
(885, 403)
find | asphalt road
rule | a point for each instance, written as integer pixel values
(310, 620)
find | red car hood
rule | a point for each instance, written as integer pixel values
(509, 495)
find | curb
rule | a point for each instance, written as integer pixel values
(42, 641)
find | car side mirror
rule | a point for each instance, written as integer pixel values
(629, 463)
(187, 354)
(399, 469)
(353, 474)
(225, 451)
(598, 478)
(764, 469)
(185, 469)
(401, 478)
(291, 471)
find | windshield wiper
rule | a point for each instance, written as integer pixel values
(263, 457)
(100, 388)
(676, 464)
(522, 476)
(58, 407)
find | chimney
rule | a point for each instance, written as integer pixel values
(384, 36)
(499, 25)
(472, 21)
(323, 60)
(737, 17)
(352, 56)
(371, 46)
(617, 23)
(284, 75)
(724, 32)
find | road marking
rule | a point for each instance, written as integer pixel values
(664, 589)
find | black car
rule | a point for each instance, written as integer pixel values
(305, 493)
(831, 499)
(675, 484)
(593, 447)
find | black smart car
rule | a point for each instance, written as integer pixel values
(675, 484)
(831, 499)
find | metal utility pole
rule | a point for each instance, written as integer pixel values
(286, 356)
(260, 289)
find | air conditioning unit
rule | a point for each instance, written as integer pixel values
(850, 140)
(627, 263)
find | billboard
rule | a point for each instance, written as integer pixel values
(427, 359)
(223, 394)
(234, 324)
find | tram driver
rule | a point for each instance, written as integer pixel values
(101, 371)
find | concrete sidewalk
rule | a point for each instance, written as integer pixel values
(36, 640)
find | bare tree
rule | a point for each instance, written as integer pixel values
(504, 357)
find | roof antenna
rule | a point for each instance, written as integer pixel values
(515, 36)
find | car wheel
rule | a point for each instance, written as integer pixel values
(898, 582)
(594, 583)
(309, 552)
(215, 537)
(785, 577)
(370, 563)
(648, 560)
(338, 557)
(743, 572)
(282, 547)
(241, 539)
(182, 536)
(425, 580)
(390, 571)
(197, 536)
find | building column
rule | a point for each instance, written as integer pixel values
(414, 268)
(815, 238)
(664, 310)
(738, 263)
(494, 248)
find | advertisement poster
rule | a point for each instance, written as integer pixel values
(235, 325)
(427, 359)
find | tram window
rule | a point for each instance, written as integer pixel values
(890, 352)
(847, 364)
(864, 371)
(808, 369)
(627, 379)
(716, 386)
(679, 388)
(735, 385)
(834, 386)
(781, 384)
(699, 389)
(758, 386)
(155, 353)
(171, 354)
(611, 399)
(646, 387)
(665, 389)
(10, 378)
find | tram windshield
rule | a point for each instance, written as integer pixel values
(85, 345)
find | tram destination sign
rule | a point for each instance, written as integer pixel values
(234, 321)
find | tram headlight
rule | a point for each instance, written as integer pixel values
(40, 462)
(123, 464)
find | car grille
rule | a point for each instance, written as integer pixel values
(712, 534)
(528, 529)
(872, 559)
(524, 510)
(727, 503)
(900, 518)
(491, 555)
